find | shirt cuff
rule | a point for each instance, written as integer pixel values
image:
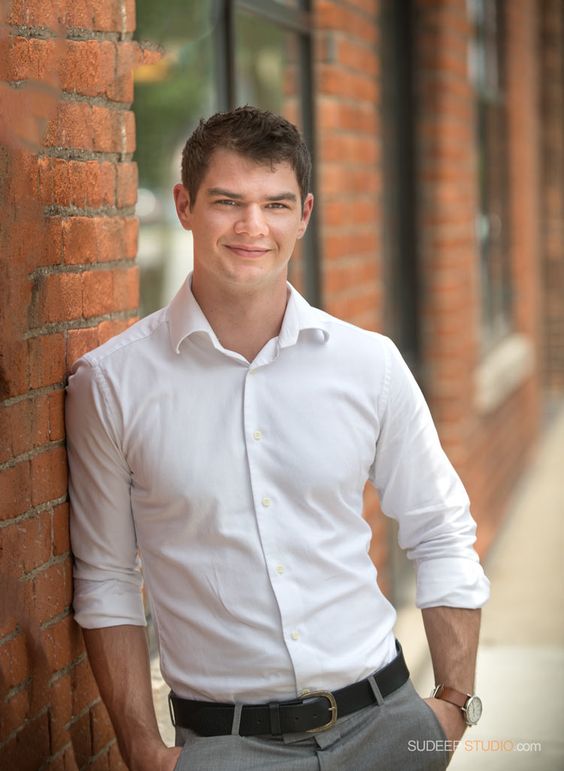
(99, 604)
(454, 582)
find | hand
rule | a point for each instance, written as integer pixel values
(449, 716)
(163, 759)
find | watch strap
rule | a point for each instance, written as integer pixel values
(446, 693)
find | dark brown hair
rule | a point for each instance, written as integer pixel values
(259, 135)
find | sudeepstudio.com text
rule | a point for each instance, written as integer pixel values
(472, 745)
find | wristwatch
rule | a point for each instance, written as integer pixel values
(470, 704)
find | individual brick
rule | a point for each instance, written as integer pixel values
(48, 475)
(14, 664)
(126, 195)
(83, 126)
(87, 66)
(60, 532)
(29, 747)
(97, 292)
(81, 184)
(15, 490)
(48, 593)
(47, 359)
(79, 342)
(62, 643)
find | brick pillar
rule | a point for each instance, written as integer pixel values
(68, 241)
(552, 188)
(447, 204)
(488, 447)
(348, 95)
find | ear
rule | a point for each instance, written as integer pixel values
(182, 203)
(306, 214)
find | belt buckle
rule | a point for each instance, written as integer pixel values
(332, 709)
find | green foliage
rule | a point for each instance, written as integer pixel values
(168, 107)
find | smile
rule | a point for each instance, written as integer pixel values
(251, 252)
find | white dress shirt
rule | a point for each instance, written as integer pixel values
(240, 485)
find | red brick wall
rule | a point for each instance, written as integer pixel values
(68, 239)
(347, 102)
(488, 449)
(446, 205)
(503, 439)
(347, 91)
(552, 191)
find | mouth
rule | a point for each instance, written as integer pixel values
(250, 252)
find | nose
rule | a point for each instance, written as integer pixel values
(251, 222)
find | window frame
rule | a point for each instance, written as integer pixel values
(292, 19)
(493, 227)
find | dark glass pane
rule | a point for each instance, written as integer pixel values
(170, 97)
(291, 3)
(267, 65)
(487, 71)
(268, 75)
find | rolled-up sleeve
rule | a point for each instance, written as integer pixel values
(107, 574)
(421, 490)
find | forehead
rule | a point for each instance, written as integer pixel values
(228, 169)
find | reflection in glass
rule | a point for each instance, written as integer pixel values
(267, 66)
(170, 97)
(268, 75)
(487, 72)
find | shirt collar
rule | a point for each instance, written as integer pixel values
(187, 318)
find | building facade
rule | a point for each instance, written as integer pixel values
(436, 128)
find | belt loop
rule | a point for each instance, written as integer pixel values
(275, 726)
(171, 709)
(237, 709)
(376, 691)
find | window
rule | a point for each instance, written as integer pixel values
(400, 258)
(169, 99)
(398, 159)
(217, 54)
(487, 72)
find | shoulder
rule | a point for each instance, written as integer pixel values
(149, 334)
(354, 339)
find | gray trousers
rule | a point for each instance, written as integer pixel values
(400, 733)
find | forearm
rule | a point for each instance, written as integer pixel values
(119, 659)
(452, 634)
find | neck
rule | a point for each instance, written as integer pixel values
(242, 322)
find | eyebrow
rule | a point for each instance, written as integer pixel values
(284, 196)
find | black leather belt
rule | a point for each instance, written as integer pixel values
(314, 712)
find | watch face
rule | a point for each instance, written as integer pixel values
(473, 710)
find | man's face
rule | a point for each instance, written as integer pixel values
(245, 221)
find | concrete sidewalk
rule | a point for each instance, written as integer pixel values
(521, 660)
(520, 674)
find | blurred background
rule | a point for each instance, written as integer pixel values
(438, 142)
(437, 133)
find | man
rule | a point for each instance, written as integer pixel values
(227, 438)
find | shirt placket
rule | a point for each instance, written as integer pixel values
(268, 507)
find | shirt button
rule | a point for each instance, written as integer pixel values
(279, 569)
(295, 635)
(266, 502)
(257, 435)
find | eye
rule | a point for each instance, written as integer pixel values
(277, 205)
(226, 202)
